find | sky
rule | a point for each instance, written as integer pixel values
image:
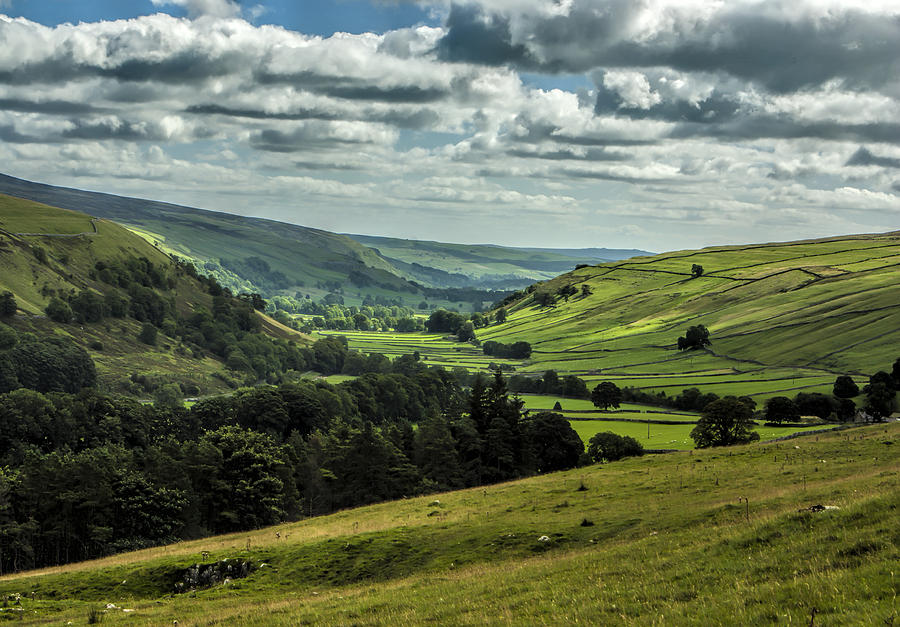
(652, 124)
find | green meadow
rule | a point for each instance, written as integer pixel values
(712, 537)
(434, 349)
(783, 318)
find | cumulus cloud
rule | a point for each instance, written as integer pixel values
(722, 114)
(779, 45)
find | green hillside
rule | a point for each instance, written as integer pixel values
(48, 253)
(794, 532)
(782, 317)
(257, 255)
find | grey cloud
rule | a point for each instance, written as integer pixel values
(49, 107)
(775, 127)
(540, 131)
(96, 131)
(256, 114)
(783, 55)
(416, 120)
(320, 166)
(592, 154)
(864, 157)
(8, 133)
(716, 108)
(299, 140)
(354, 89)
(606, 176)
(188, 67)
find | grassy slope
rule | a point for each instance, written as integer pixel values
(30, 280)
(670, 543)
(306, 256)
(782, 317)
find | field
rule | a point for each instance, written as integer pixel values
(783, 318)
(639, 420)
(435, 349)
(713, 537)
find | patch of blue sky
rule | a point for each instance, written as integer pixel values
(564, 82)
(53, 12)
(326, 17)
(312, 17)
(428, 140)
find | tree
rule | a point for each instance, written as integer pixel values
(544, 299)
(8, 305)
(168, 395)
(8, 337)
(58, 311)
(724, 422)
(466, 331)
(781, 409)
(501, 314)
(586, 290)
(881, 400)
(696, 337)
(895, 373)
(554, 444)
(696, 271)
(609, 447)
(148, 334)
(436, 453)
(566, 291)
(845, 387)
(607, 394)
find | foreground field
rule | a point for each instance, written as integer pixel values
(709, 537)
(783, 318)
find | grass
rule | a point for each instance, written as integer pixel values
(67, 268)
(435, 349)
(783, 318)
(671, 542)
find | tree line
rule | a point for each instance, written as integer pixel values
(85, 474)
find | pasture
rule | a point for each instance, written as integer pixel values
(783, 318)
(722, 534)
(435, 349)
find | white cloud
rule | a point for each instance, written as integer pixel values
(406, 141)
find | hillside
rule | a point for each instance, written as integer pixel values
(48, 253)
(793, 532)
(266, 256)
(489, 265)
(782, 317)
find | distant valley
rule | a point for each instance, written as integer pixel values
(269, 257)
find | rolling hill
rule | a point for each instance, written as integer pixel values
(487, 265)
(48, 253)
(782, 317)
(252, 254)
(797, 532)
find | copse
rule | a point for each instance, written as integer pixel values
(609, 447)
(781, 409)
(516, 350)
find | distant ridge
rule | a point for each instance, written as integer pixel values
(313, 261)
